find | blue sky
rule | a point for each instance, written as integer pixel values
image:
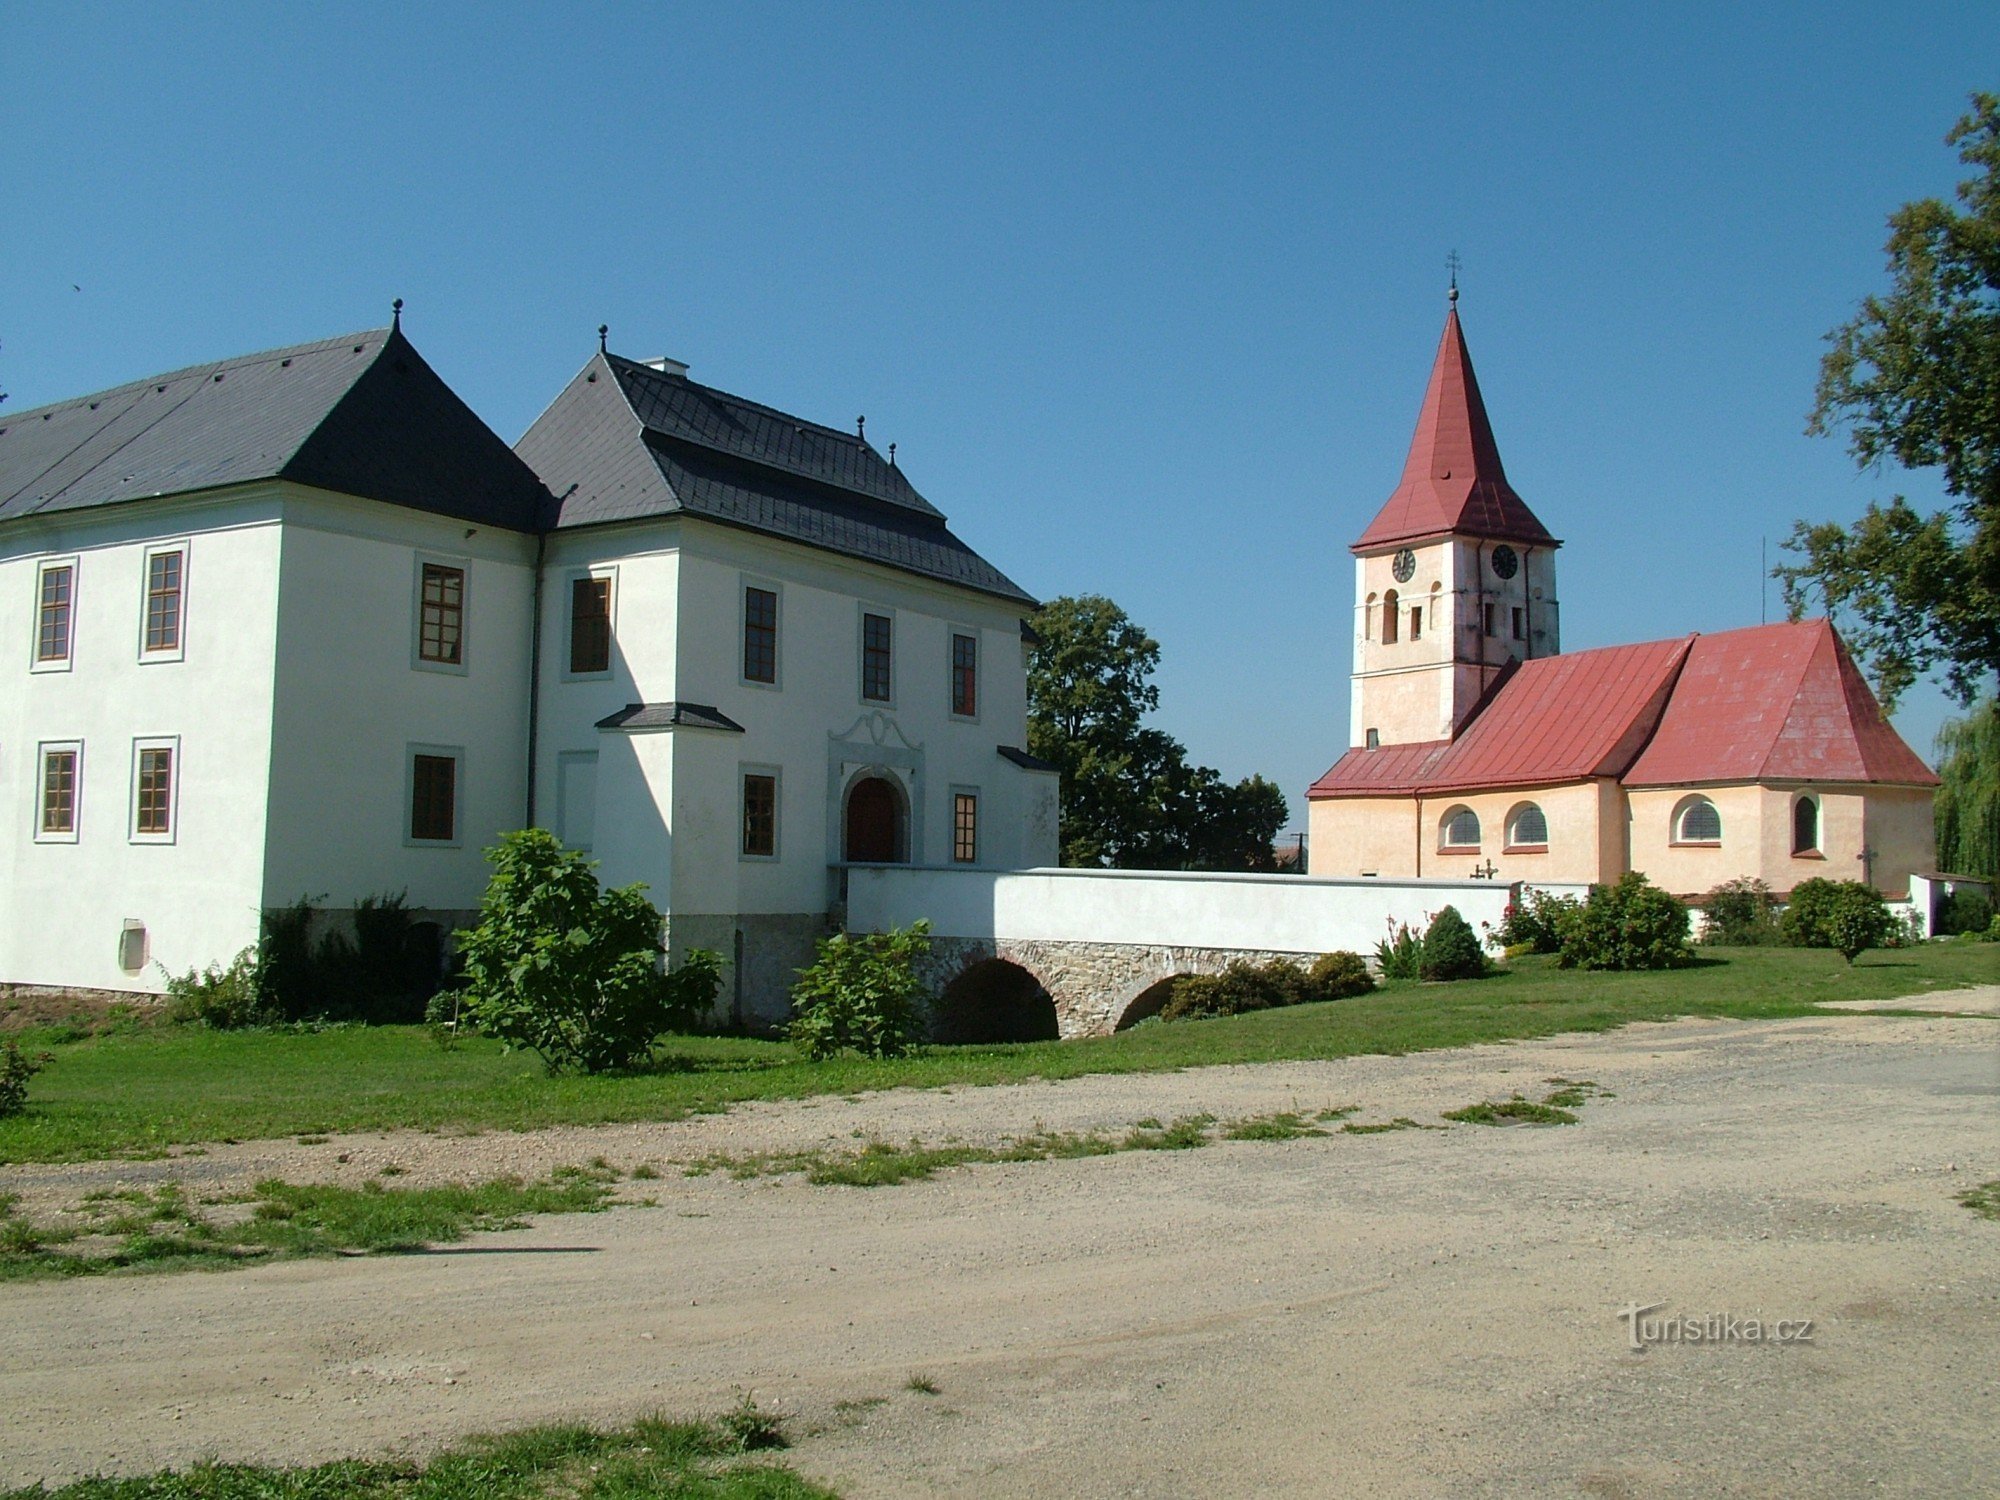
(1146, 294)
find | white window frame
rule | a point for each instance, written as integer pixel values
(463, 567)
(454, 753)
(68, 659)
(744, 583)
(862, 610)
(745, 770)
(566, 602)
(177, 651)
(171, 743)
(951, 634)
(43, 751)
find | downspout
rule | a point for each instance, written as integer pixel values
(535, 650)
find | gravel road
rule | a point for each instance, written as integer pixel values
(1420, 1312)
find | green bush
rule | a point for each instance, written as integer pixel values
(1742, 913)
(570, 971)
(1630, 925)
(1844, 915)
(224, 998)
(1964, 910)
(383, 974)
(16, 1068)
(1339, 976)
(1451, 948)
(1401, 954)
(862, 995)
(1537, 919)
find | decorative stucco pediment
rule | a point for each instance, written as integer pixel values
(875, 730)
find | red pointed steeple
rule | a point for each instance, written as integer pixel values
(1453, 483)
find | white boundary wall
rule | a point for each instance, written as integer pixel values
(1267, 913)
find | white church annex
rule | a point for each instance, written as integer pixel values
(300, 623)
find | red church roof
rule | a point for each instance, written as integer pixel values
(1452, 481)
(1775, 703)
(1769, 703)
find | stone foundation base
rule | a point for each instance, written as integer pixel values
(758, 971)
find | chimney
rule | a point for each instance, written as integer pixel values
(667, 366)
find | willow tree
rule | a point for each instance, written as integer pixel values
(1968, 804)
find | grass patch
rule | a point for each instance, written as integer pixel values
(921, 1385)
(159, 1229)
(140, 1092)
(1983, 1200)
(700, 1460)
(1288, 1125)
(1382, 1127)
(1557, 1108)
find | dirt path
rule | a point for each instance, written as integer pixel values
(1412, 1313)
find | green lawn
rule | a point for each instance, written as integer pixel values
(141, 1091)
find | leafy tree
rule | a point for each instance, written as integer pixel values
(862, 994)
(1915, 378)
(1845, 915)
(1130, 798)
(569, 970)
(1968, 804)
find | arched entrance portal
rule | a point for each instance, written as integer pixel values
(873, 826)
(995, 1001)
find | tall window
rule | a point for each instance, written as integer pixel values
(965, 827)
(1805, 826)
(1520, 624)
(1460, 829)
(52, 617)
(760, 635)
(59, 777)
(164, 571)
(1416, 622)
(590, 625)
(876, 680)
(1390, 605)
(760, 815)
(153, 802)
(441, 623)
(1486, 617)
(965, 675)
(434, 798)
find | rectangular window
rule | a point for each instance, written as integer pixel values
(55, 599)
(1520, 624)
(965, 675)
(165, 570)
(964, 827)
(589, 625)
(153, 792)
(876, 680)
(441, 615)
(1486, 617)
(760, 635)
(60, 767)
(434, 798)
(760, 815)
(1416, 621)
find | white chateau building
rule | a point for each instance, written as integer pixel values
(300, 624)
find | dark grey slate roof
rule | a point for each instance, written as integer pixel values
(626, 441)
(362, 414)
(669, 715)
(1026, 761)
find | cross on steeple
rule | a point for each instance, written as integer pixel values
(1451, 264)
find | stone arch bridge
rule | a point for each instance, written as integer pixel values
(1019, 955)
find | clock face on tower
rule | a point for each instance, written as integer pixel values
(1505, 563)
(1405, 566)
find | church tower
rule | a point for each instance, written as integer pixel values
(1454, 579)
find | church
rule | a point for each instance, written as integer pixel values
(1478, 746)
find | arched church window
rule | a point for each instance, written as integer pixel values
(1460, 829)
(1368, 619)
(1390, 604)
(1697, 822)
(1527, 828)
(1805, 826)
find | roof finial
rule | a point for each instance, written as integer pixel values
(892, 455)
(1451, 264)
(603, 332)
(861, 429)
(396, 311)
